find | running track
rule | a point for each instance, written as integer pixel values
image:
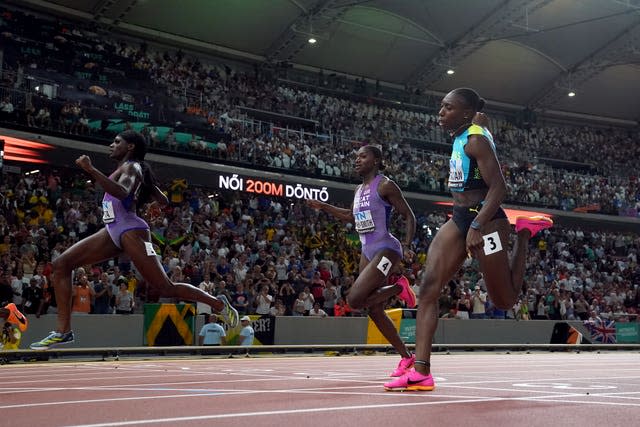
(473, 388)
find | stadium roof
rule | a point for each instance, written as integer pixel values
(521, 52)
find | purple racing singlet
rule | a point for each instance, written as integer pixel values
(118, 218)
(372, 214)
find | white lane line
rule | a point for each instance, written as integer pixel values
(329, 409)
(109, 378)
(189, 393)
(74, 402)
(282, 412)
(582, 402)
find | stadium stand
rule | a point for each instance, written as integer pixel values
(63, 79)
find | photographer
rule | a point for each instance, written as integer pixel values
(478, 303)
(11, 336)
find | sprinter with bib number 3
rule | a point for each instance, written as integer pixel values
(478, 228)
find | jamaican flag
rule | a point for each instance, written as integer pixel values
(169, 324)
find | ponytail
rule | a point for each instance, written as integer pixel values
(139, 152)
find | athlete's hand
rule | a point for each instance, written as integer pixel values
(408, 254)
(475, 242)
(84, 162)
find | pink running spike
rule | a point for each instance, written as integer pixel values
(534, 224)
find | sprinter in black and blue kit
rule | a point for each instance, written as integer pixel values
(477, 228)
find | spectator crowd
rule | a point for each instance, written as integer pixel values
(269, 256)
(310, 130)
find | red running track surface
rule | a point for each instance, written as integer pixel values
(472, 389)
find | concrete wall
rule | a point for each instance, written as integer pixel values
(328, 330)
(90, 330)
(453, 331)
(126, 331)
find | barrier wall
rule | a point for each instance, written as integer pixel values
(91, 330)
(127, 330)
(319, 330)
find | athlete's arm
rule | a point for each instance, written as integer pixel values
(480, 149)
(130, 175)
(340, 213)
(390, 192)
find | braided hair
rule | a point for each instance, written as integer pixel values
(139, 152)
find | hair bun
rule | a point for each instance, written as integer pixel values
(481, 104)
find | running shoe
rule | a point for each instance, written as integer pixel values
(406, 294)
(16, 317)
(534, 224)
(229, 314)
(411, 381)
(404, 365)
(54, 339)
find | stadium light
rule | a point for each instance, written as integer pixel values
(451, 71)
(571, 94)
(312, 40)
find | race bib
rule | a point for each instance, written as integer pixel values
(149, 248)
(456, 173)
(385, 265)
(492, 243)
(108, 215)
(364, 222)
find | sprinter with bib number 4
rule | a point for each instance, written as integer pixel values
(478, 228)
(127, 188)
(373, 202)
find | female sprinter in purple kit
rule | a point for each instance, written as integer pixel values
(128, 187)
(373, 203)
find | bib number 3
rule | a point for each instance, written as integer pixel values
(492, 243)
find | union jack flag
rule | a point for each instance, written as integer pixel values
(602, 331)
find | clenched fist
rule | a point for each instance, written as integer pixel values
(84, 162)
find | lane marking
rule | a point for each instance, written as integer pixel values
(330, 409)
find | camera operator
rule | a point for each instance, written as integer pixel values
(478, 303)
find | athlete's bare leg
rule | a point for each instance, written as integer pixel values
(133, 244)
(446, 255)
(91, 250)
(365, 292)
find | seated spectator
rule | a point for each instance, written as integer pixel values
(124, 299)
(278, 309)
(43, 118)
(7, 112)
(82, 293)
(31, 297)
(316, 311)
(102, 292)
(341, 308)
